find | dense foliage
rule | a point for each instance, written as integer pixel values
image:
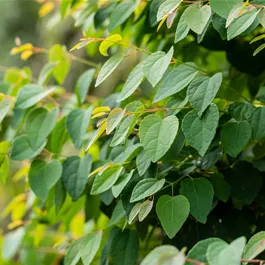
(169, 168)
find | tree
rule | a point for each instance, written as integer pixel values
(172, 160)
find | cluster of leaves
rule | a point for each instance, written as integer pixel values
(174, 156)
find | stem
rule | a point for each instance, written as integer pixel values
(195, 261)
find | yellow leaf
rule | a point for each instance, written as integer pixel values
(258, 38)
(39, 233)
(95, 171)
(46, 9)
(162, 22)
(100, 109)
(100, 114)
(4, 147)
(22, 48)
(25, 55)
(77, 225)
(101, 121)
(108, 42)
(15, 224)
(97, 134)
(23, 172)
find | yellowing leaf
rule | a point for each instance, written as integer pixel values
(100, 109)
(81, 44)
(108, 42)
(162, 22)
(100, 114)
(46, 9)
(260, 37)
(97, 134)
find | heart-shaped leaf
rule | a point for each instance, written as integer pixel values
(172, 213)
(157, 135)
(201, 131)
(197, 18)
(43, 176)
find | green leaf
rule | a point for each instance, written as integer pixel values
(127, 124)
(58, 137)
(85, 248)
(150, 61)
(200, 194)
(128, 154)
(255, 246)
(202, 91)
(145, 209)
(214, 250)
(117, 215)
(198, 252)
(143, 162)
(259, 49)
(12, 243)
(197, 18)
(75, 174)
(77, 123)
(133, 81)
(91, 247)
(223, 7)
(243, 187)
(106, 180)
(257, 123)
(261, 18)
(241, 110)
(22, 149)
(46, 73)
(122, 181)
(64, 7)
(176, 103)
(102, 14)
(114, 119)
(157, 135)
(125, 247)
(182, 28)
(160, 252)
(4, 166)
(5, 105)
(154, 5)
(232, 253)
(29, 95)
(234, 13)
(39, 124)
(166, 8)
(121, 13)
(58, 54)
(108, 67)
(219, 25)
(60, 195)
(134, 212)
(200, 131)
(239, 25)
(83, 84)
(235, 136)
(158, 69)
(176, 81)
(172, 213)
(146, 188)
(221, 188)
(43, 176)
